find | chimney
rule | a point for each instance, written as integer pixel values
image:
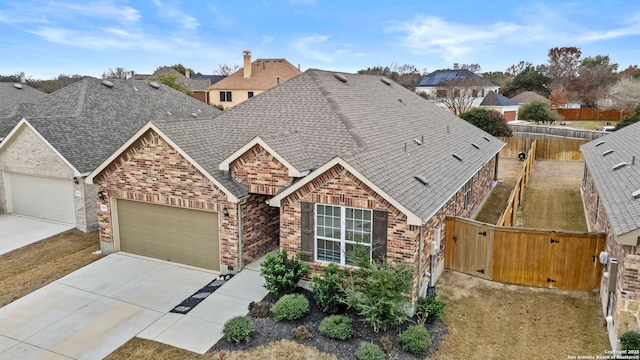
(456, 66)
(187, 73)
(22, 80)
(247, 64)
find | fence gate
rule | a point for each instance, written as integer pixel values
(564, 260)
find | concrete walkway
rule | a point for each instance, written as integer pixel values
(93, 311)
(18, 231)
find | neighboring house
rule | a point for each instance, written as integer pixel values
(611, 194)
(455, 88)
(13, 97)
(320, 164)
(254, 78)
(198, 83)
(505, 106)
(57, 140)
(526, 97)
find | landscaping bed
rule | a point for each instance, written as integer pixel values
(268, 330)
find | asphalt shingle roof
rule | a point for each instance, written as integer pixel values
(265, 74)
(526, 97)
(314, 117)
(616, 186)
(87, 121)
(441, 77)
(12, 99)
(494, 99)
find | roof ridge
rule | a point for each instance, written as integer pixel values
(82, 98)
(361, 144)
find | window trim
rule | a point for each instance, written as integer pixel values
(225, 96)
(468, 187)
(342, 241)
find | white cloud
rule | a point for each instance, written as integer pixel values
(171, 11)
(303, 2)
(317, 48)
(266, 40)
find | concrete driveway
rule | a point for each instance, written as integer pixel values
(93, 311)
(18, 231)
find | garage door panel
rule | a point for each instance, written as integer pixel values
(41, 197)
(170, 233)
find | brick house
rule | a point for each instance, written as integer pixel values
(321, 164)
(56, 141)
(611, 195)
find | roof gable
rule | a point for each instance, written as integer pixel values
(495, 99)
(615, 187)
(265, 74)
(293, 172)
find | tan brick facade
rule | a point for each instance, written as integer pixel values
(152, 171)
(260, 172)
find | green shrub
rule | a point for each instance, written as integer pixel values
(415, 339)
(238, 329)
(379, 292)
(301, 333)
(429, 309)
(630, 340)
(290, 307)
(336, 327)
(259, 309)
(369, 351)
(327, 291)
(385, 344)
(282, 274)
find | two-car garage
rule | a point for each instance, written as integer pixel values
(170, 233)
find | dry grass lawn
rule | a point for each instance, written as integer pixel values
(496, 203)
(31, 267)
(587, 124)
(552, 198)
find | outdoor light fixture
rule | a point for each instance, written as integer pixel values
(225, 212)
(75, 180)
(101, 195)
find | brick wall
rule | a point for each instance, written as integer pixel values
(260, 172)
(260, 228)
(154, 172)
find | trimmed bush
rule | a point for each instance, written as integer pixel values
(630, 340)
(301, 333)
(415, 339)
(327, 291)
(282, 274)
(369, 351)
(238, 329)
(259, 309)
(290, 307)
(429, 308)
(336, 327)
(385, 344)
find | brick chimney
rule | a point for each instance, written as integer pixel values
(187, 73)
(247, 63)
(22, 79)
(456, 66)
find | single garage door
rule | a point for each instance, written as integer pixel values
(40, 197)
(169, 233)
(509, 115)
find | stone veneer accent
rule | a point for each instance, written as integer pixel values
(153, 171)
(27, 154)
(260, 172)
(624, 302)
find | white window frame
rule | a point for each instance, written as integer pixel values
(343, 241)
(468, 193)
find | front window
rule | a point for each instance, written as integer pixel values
(225, 96)
(249, 94)
(342, 232)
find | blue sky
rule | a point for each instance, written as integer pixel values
(47, 38)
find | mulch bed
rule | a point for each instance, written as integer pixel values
(268, 330)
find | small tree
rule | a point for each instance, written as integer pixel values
(172, 81)
(457, 95)
(488, 120)
(629, 119)
(538, 110)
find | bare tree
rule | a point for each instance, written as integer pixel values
(516, 69)
(117, 73)
(562, 66)
(595, 75)
(457, 95)
(624, 94)
(226, 69)
(474, 68)
(557, 98)
(405, 75)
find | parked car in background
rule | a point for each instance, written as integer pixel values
(609, 128)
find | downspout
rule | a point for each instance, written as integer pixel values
(420, 247)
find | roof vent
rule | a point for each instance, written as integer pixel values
(154, 85)
(457, 157)
(340, 77)
(418, 142)
(385, 81)
(486, 138)
(194, 115)
(600, 143)
(619, 166)
(421, 179)
(18, 86)
(475, 146)
(636, 194)
(607, 152)
(107, 83)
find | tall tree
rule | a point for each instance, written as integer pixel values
(497, 77)
(182, 69)
(632, 71)
(57, 83)
(562, 66)
(595, 74)
(625, 93)
(117, 73)
(405, 75)
(172, 80)
(516, 69)
(474, 68)
(531, 79)
(226, 69)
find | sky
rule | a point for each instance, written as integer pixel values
(47, 38)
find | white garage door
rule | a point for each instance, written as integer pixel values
(40, 197)
(169, 233)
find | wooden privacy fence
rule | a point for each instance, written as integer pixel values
(509, 215)
(546, 148)
(554, 131)
(592, 114)
(544, 258)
